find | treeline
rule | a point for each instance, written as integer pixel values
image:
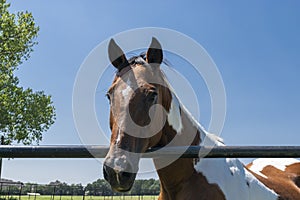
(140, 187)
(53, 188)
(97, 188)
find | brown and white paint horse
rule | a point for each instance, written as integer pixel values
(134, 91)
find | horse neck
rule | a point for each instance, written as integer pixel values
(210, 176)
(179, 130)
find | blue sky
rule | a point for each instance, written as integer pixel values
(255, 45)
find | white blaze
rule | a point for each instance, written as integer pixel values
(118, 137)
(127, 91)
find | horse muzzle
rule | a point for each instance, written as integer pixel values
(119, 173)
(120, 181)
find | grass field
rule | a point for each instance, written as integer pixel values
(42, 197)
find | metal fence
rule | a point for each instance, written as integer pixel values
(94, 151)
(79, 151)
(28, 191)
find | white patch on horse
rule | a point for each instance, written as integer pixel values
(207, 138)
(234, 170)
(280, 163)
(233, 179)
(118, 137)
(174, 115)
(126, 92)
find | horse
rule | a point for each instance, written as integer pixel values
(141, 98)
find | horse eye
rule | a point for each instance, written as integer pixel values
(108, 96)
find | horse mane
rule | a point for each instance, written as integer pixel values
(208, 139)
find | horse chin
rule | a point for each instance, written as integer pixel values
(122, 189)
(125, 187)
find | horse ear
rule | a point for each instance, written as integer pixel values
(116, 55)
(154, 53)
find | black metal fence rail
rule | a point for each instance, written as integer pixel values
(79, 151)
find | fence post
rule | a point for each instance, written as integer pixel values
(1, 189)
(83, 194)
(21, 191)
(35, 192)
(54, 192)
(2, 143)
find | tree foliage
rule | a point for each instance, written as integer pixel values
(140, 187)
(24, 114)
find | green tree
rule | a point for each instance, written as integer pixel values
(24, 114)
(99, 187)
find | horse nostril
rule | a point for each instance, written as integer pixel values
(105, 173)
(125, 174)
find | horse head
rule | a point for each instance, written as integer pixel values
(139, 101)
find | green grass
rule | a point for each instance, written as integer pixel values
(44, 197)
